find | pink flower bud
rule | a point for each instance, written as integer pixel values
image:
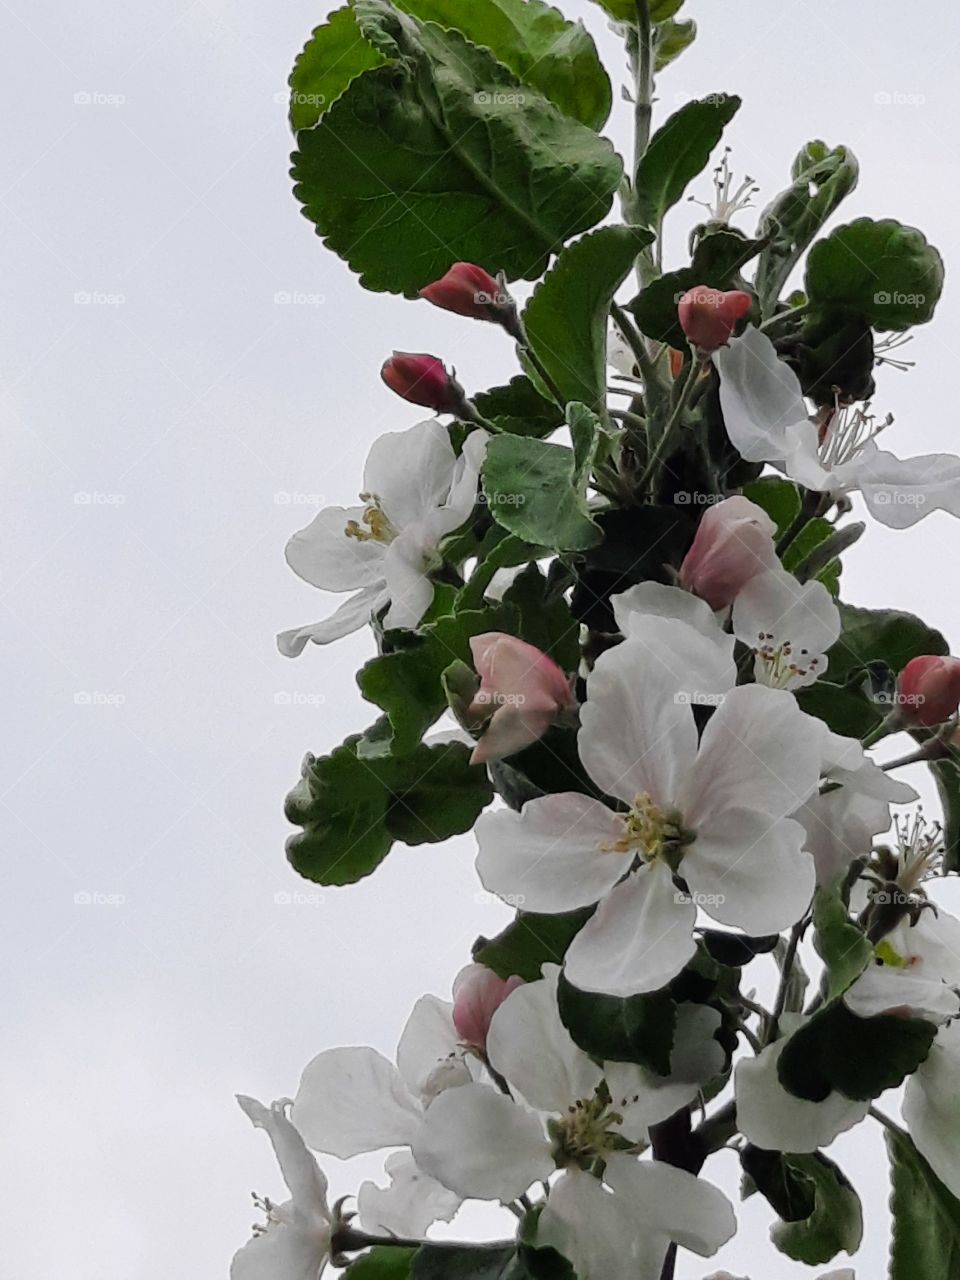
(468, 290)
(477, 995)
(521, 693)
(423, 380)
(929, 690)
(708, 317)
(733, 544)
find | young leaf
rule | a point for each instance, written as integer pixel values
(926, 1217)
(519, 409)
(537, 43)
(678, 151)
(841, 944)
(443, 155)
(353, 809)
(883, 271)
(836, 1223)
(566, 319)
(335, 54)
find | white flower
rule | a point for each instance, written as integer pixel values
(771, 1117)
(354, 1100)
(295, 1242)
(930, 1107)
(713, 813)
(415, 491)
(767, 420)
(789, 626)
(564, 1111)
(917, 971)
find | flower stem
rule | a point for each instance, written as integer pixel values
(666, 437)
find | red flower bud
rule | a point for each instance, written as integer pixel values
(423, 380)
(929, 690)
(468, 290)
(708, 317)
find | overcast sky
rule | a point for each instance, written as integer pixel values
(167, 422)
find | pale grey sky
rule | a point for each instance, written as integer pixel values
(161, 440)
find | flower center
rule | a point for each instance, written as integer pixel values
(584, 1131)
(919, 850)
(844, 430)
(648, 830)
(726, 200)
(378, 527)
(778, 666)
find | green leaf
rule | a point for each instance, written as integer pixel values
(836, 1222)
(881, 635)
(407, 684)
(626, 10)
(926, 1217)
(637, 1029)
(335, 54)
(444, 155)
(841, 944)
(859, 1057)
(537, 43)
(678, 151)
(529, 942)
(353, 809)
(519, 408)
(463, 1262)
(822, 178)
(566, 319)
(537, 491)
(814, 534)
(544, 616)
(382, 1264)
(672, 39)
(551, 765)
(847, 711)
(947, 777)
(780, 499)
(883, 271)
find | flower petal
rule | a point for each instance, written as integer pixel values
(482, 1145)
(529, 1046)
(594, 1230)
(774, 1119)
(430, 1041)
(636, 735)
(552, 856)
(931, 1107)
(324, 556)
(305, 1180)
(282, 1252)
(632, 607)
(353, 1100)
(351, 616)
(411, 1204)
(760, 396)
(750, 871)
(901, 491)
(410, 471)
(690, 1211)
(405, 569)
(774, 610)
(640, 937)
(884, 988)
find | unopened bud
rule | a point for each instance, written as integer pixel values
(423, 380)
(521, 693)
(734, 543)
(929, 690)
(477, 995)
(469, 290)
(708, 316)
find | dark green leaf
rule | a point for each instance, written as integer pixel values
(553, 764)
(883, 271)
(859, 1057)
(845, 710)
(353, 809)
(736, 949)
(821, 179)
(537, 43)
(537, 490)
(444, 155)
(678, 151)
(544, 616)
(382, 1264)
(926, 1217)
(566, 319)
(789, 1195)
(530, 942)
(835, 1224)
(638, 1029)
(519, 408)
(463, 1262)
(335, 54)
(881, 635)
(947, 776)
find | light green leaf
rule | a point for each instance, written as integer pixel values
(672, 39)
(445, 155)
(678, 151)
(883, 271)
(836, 1223)
(381, 1264)
(566, 319)
(335, 54)
(780, 499)
(926, 1217)
(537, 43)
(841, 944)
(352, 809)
(537, 491)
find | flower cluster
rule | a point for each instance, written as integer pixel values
(614, 583)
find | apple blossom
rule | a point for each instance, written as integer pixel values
(709, 316)
(929, 690)
(733, 543)
(295, 1242)
(767, 420)
(789, 626)
(714, 814)
(477, 994)
(424, 380)
(416, 491)
(524, 689)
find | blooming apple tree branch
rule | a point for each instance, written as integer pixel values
(658, 714)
